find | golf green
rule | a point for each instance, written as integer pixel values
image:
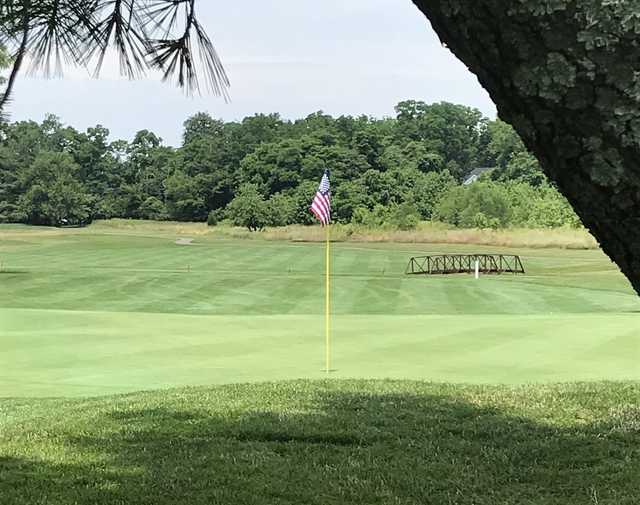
(93, 312)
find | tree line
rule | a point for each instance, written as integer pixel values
(263, 171)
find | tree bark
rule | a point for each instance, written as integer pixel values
(566, 75)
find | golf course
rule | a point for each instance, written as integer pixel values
(159, 364)
(109, 310)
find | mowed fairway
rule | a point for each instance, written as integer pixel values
(100, 311)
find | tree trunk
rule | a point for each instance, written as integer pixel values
(566, 75)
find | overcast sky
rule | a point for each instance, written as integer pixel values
(294, 57)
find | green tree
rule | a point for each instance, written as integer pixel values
(540, 207)
(405, 216)
(275, 167)
(280, 210)
(429, 190)
(184, 198)
(148, 165)
(53, 196)
(379, 187)
(481, 205)
(522, 167)
(201, 126)
(153, 209)
(10, 187)
(346, 198)
(375, 174)
(449, 130)
(369, 144)
(551, 210)
(377, 217)
(243, 138)
(248, 209)
(414, 155)
(301, 198)
(504, 143)
(207, 156)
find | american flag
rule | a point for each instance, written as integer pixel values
(321, 206)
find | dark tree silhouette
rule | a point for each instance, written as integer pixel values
(566, 75)
(162, 35)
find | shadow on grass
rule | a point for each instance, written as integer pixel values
(337, 447)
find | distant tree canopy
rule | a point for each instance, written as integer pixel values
(263, 171)
(565, 73)
(163, 35)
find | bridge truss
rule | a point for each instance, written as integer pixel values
(465, 264)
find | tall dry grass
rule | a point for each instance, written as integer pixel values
(136, 226)
(427, 233)
(560, 238)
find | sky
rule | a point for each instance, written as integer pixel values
(294, 57)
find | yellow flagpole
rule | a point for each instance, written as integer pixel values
(328, 303)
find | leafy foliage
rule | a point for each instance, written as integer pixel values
(54, 196)
(248, 209)
(498, 205)
(264, 171)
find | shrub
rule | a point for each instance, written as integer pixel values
(375, 218)
(248, 208)
(281, 210)
(500, 205)
(54, 195)
(488, 199)
(404, 217)
(429, 190)
(184, 198)
(450, 206)
(153, 209)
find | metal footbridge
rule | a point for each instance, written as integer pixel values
(465, 264)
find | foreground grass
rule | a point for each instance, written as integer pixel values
(353, 442)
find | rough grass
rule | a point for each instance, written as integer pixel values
(354, 442)
(564, 238)
(434, 233)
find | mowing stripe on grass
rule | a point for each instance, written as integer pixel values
(60, 353)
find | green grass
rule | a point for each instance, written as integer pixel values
(333, 442)
(105, 311)
(89, 317)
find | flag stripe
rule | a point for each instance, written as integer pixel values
(321, 205)
(316, 213)
(321, 208)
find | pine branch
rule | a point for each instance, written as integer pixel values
(163, 35)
